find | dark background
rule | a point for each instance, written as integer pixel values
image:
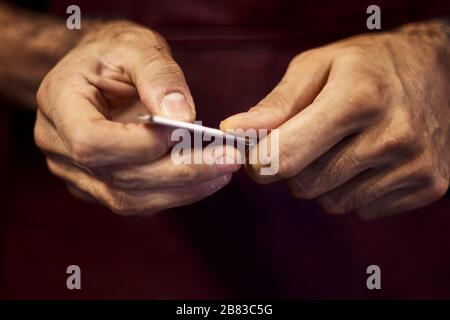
(246, 241)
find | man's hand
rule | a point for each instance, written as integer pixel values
(364, 123)
(86, 105)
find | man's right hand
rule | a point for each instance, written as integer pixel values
(84, 106)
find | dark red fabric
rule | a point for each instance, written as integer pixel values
(247, 240)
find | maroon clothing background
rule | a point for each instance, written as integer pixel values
(246, 241)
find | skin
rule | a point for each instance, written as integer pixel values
(87, 107)
(364, 123)
(31, 45)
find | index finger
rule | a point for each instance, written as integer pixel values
(94, 140)
(341, 109)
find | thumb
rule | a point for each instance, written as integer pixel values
(303, 80)
(162, 87)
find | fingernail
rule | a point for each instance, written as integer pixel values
(175, 106)
(219, 182)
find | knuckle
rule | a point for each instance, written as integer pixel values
(287, 166)
(120, 203)
(287, 169)
(373, 87)
(405, 132)
(41, 94)
(367, 97)
(298, 58)
(39, 138)
(389, 145)
(400, 140)
(364, 105)
(115, 176)
(437, 188)
(304, 56)
(301, 187)
(51, 167)
(351, 56)
(355, 161)
(164, 68)
(336, 202)
(368, 87)
(172, 68)
(128, 36)
(128, 33)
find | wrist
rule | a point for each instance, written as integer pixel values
(123, 32)
(31, 45)
(432, 36)
(65, 41)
